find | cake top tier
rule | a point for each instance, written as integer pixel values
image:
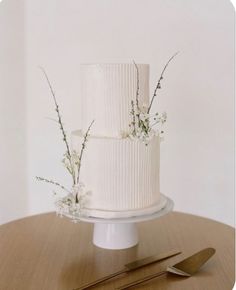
(107, 92)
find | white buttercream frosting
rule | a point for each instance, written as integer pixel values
(107, 91)
(122, 174)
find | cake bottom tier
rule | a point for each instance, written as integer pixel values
(122, 176)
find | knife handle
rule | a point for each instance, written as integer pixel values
(103, 279)
(150, 260)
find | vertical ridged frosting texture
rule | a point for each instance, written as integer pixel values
(122, 174)
(107, 91)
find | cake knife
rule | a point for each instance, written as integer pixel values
(131, 267)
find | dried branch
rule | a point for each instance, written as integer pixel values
(158, 86)
(57, 110)
(60, 122)
(137, 88)
(137, 94)
(133, 118)
(82, 149)
(52, 182)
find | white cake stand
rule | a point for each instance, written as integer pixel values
(121, 233)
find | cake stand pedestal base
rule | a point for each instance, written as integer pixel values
(115, 236)
(121, 233)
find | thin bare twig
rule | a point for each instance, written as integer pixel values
(133, 118)
(158, 86)
(137, 88)
(57, 110)
(82, 149)
(59, 121)
(52, 182)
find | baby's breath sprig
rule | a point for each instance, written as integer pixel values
(142, 122)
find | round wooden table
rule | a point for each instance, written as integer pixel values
(46, 252)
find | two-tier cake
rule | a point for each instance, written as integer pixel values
(122, 173)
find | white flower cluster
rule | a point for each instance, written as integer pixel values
(73, 203)
(144, 126)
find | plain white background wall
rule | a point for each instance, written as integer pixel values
(13, 152)
(197, 169)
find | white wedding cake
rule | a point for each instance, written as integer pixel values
(121, 172)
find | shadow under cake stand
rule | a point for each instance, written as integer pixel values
(122, 233)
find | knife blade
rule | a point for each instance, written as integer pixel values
(132, 267)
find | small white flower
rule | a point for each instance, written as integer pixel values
(163, 117)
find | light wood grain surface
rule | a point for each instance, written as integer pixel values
(46, 252)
